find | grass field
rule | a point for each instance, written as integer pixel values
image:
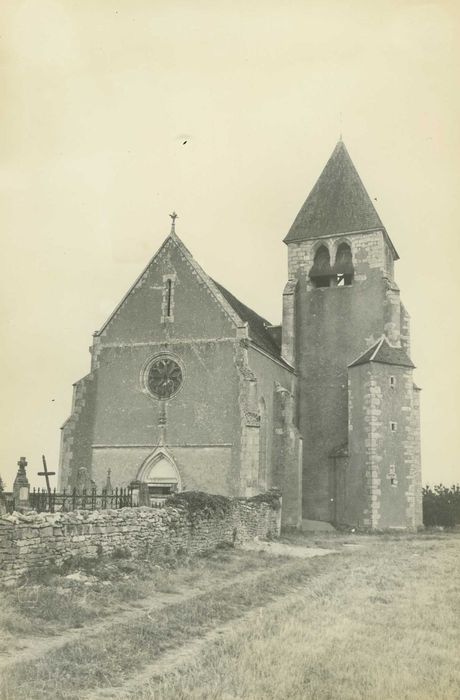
(380, 621)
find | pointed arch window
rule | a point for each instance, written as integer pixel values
(343, 268)
(321, 272)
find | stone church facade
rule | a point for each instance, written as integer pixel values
(191, 389)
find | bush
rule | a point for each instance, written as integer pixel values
(199, 504)
(271, 498)
(441, 506)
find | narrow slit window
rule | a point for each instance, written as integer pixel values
(168, 297)
(392, 382)
(167, 302)
(393, 426)
(392, 475)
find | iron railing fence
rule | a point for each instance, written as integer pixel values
(87, 499)
(43, 501)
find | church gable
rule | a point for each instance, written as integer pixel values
(173, 298)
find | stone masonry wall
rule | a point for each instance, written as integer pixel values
(384, 448)
(368, 248)
(32, 541)
(333, 326)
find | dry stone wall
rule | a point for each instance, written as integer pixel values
(32, 541)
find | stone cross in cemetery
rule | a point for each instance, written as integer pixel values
(21, 486)
(47, 475)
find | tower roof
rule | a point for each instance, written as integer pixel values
(338, 203)
(385, 354)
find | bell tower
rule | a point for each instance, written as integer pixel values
(340, 299)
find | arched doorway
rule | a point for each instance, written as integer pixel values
(159, 471)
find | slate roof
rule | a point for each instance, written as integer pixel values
(385, 354)
(338, 203)
(258, 331)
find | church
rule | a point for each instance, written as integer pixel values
(190, 389)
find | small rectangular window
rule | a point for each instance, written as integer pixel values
(391, 476)
(393, 426)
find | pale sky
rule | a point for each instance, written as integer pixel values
(98, 98)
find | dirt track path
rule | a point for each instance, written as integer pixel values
(186, 654)
(32, 648)
(183, 656)
(35, 647)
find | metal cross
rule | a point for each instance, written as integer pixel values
(47, 475)
(173, 216)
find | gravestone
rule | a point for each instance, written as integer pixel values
(21, 487)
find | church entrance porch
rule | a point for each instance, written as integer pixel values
(161, 478)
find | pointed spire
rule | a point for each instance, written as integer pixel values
(338, 203)
(173, 216)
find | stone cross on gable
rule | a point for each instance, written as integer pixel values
(173, 216)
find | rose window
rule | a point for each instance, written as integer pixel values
(164, 378)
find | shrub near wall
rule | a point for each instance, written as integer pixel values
(441, 506)
(190, 521)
